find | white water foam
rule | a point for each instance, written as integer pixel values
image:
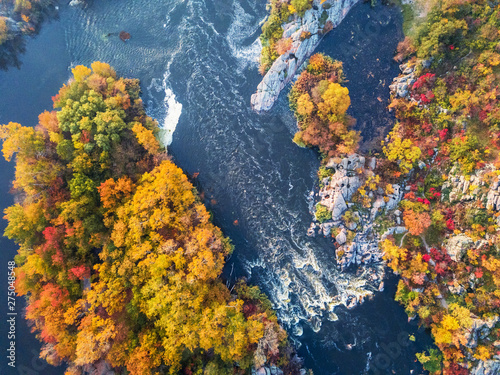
(169, 108)
(174, 110)
(242, 27)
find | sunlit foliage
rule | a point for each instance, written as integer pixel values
(118, 258)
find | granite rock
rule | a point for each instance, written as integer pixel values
(284, 68)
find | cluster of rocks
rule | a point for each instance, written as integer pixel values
(338, 189)
(402, 83)
(493, 196)
(482, 328)
(474, 188)
(457, 246)
(336, 194)
(13, 28)
(489, 367)
(391, 204)
(284, 68)
(272, 370)
(363, 249)
(467, 189)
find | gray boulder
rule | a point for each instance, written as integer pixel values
(487, 368)
(457, 246)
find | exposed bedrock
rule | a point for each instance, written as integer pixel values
(284, 68)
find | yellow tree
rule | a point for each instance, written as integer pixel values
(304, 105)
(80, 72)
(146, 138)
(335, 102)
(402, 151)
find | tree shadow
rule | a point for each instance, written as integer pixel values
(12, 49)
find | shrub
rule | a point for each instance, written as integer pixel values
(283, 45)
(301, 6)
(322, 213)
(305, 35)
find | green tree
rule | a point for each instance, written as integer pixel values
(301, 6)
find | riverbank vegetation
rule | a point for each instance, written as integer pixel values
(438, 174)
(21, 16)
(449, 109)
(17, 19)
(273, 43)
(319, 102)
(118, 259)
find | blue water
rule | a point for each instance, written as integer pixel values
(202, 54)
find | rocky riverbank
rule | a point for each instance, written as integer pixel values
(459, 240)
(352, 224)
(316, 22)
(9, 27)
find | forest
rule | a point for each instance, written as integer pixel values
(118, 259)
(444, 152)
(320, 102)
(449, 260)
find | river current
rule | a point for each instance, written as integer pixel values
(197, 61)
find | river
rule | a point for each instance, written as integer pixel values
(197, 63)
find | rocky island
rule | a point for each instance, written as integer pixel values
(300, 34)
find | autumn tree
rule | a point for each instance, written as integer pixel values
(320, 103)
(118, 258)
(3, 30)
(283, 45)
(416, 222)
(402, 151)
(301, 6)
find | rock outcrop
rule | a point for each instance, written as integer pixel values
(348, 176)
(284, 68)
(493, 197)
(457, 246)
(403, 83)
(483, 185)
(463, 189)
(342, 185)
(12, 25)
(272, 370)
(487, 368)
(75, 3)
